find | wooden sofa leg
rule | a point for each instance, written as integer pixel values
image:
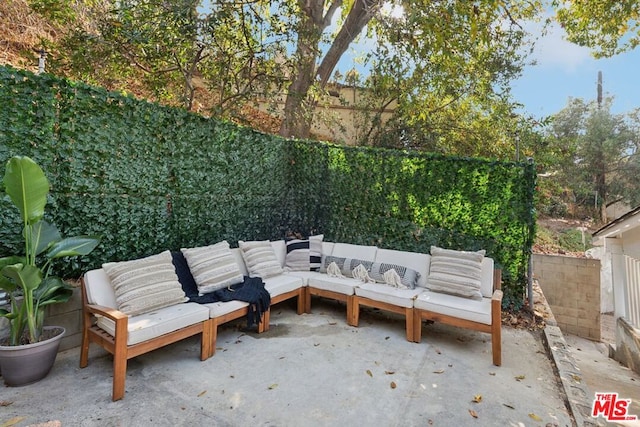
(496, 342)
(409, 324)
(119, 374)
(302, 301)
(266, 318)
(353, 310)
(307, 300)
(417, 326)
(213, 336)
(205, 340)
(84, 348)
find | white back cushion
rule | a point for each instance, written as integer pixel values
(280, 248)
(486, 287)
(99, 289)
(347, 250)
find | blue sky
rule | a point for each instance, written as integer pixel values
(566, 70)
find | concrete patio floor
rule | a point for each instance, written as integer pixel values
(308, 370)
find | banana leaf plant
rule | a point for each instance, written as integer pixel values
(28, 278)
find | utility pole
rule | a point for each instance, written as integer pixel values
(599, 89)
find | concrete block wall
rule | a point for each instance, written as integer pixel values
(69, 316)
(572, 289)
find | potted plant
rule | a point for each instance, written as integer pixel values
(28, 280)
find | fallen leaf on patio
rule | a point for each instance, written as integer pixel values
(534, 417)
(5, 402)
(508, 406)
(13, 421)
(477, 398)
(386, 338)
(439, 371)
(576, 378)
(473, 413)
(333, 323)
(369, 373)
(430, 422)
(520, 377)
(316, 344)
(493, 374)
(393, 384)
(202, 393)
(438, 351)
(272, 386)
(389, 372)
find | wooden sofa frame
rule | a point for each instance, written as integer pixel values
(494, 329)
(117, 344)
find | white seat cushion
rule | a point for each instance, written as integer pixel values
(341, 285)
(220, 308)
(451, 305)
(282, 283)
(385, 293)
(153, 324)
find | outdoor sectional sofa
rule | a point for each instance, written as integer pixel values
(133, 307)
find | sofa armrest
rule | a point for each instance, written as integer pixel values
(497, 296)
(109, 313)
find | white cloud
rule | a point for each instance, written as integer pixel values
(552, 50)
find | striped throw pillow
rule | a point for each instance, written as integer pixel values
(213, 267)
(304, 254)
(260, 259)
(456, 272)
(146, 284)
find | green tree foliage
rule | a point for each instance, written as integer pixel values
(594, 153)
(446, 65)
(170, 47)
(607, 26)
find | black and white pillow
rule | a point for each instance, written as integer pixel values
(346, 265)
(408, 276)
(304, 254)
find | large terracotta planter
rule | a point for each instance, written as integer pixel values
(26, 364)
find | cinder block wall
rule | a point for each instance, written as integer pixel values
(572, 289)
(69, 316)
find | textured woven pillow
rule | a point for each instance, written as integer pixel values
(146, 284)
(347, 265)
(456, 272)
(408, 276)
(304, 255)
(260, 259)
(213, 267)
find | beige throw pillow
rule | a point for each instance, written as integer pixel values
(146, 284)
(260, 259)
(456, 272)
(213, 267)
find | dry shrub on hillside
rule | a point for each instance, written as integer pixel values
(23, 34)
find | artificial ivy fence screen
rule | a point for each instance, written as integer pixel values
(149, 178)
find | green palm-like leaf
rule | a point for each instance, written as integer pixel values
(53, 290)
(6, 284)
(26, 277)
(27, 186)
(42, 235)
(73, 246)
